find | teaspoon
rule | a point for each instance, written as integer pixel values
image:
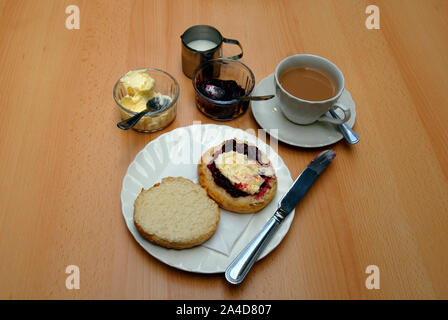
(346, 131)
(256, 98)
(218, 93)
(152, 106)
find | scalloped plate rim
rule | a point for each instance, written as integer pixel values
(280, 234)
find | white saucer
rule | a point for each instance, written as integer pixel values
(269, 116)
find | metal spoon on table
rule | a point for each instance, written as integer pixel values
(349, 135)
(153, 105)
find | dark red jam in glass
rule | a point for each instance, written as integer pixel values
(218, 100)
(222, 90)
(218, 83)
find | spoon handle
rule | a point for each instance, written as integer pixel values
(257, 98)
(132, 121)
(346, 131)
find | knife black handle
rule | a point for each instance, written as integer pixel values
(238, 269)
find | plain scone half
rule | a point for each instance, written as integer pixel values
(176, 213)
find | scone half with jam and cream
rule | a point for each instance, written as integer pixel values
(238, 176)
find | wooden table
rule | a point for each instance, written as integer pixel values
(384, 201)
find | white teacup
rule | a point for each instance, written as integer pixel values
(302, 111)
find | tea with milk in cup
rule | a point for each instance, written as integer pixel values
(308, 84)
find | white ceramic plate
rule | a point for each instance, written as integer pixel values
(270, 118)
(171, 150)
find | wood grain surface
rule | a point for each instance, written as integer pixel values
(384, 201)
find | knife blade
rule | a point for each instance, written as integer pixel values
(240, 266)
(305, 180)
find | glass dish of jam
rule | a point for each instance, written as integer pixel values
(218, 83)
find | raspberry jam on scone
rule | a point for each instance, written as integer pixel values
(240, 169)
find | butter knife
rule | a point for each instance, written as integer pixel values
(238, 269)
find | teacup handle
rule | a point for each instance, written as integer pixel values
(346, 117)
(231, 41)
